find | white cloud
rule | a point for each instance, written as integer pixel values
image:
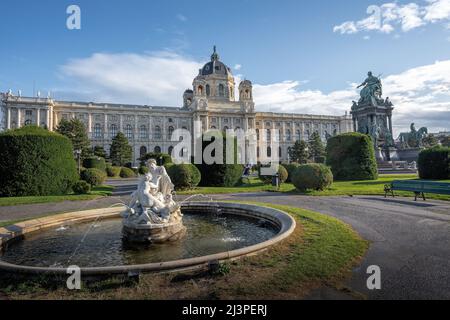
(237, 67)
(420, 95)
(387, 17)
(156, 78)
(181, 17)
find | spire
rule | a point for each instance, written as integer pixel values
(215, 55)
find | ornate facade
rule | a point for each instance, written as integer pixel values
(149, 128)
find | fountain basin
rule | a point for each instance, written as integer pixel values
(281, 223)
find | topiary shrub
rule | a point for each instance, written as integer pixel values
(220, 174)
(434, 163)
(351, 156)
(162, 159)
(143, 170)
(312, 176)
(81, 187)
(36, 162)
(291, 167)
(282, 174)
(95, 163)
(184, 176)
(127, 173)
(94, 177)
(113, 172)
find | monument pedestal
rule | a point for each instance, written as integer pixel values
(155, 233)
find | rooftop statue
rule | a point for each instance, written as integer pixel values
(372, 90)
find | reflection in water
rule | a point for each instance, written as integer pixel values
(103, 246)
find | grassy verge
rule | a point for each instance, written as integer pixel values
(97, 192)
(321, 251)
(338, 188)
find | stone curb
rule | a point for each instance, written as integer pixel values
(285, 223)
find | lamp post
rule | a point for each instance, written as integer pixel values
(78, 154)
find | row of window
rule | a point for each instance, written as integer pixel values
(220, 90)
(298, 134)
(143, 131)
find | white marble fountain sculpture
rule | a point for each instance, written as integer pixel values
(152, 215)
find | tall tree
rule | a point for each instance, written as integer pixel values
(75, 130)
(299, 152)
(99, 151)
(121, 151)
(316, 147)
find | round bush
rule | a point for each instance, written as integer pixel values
(81, 187)
(434, 163)
(291, 167)
(312, 177)
(282, 174)
(94, 163)
(127, 173)
(94, 177)
(143, 170)
(161, 158)
(351, 156)
(184, 176)
(113, 171)
(36, 162)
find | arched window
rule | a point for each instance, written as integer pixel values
(143, 151)
(157, 149)
(158, 133)
(257, 134)
(97, 131)
(268, 135)
(225, 128)
(279, 152)
(221, 90)
(170, 150)
(27, 122)
(208, 90)
(213, 128)
(269, 151)
(143, 133)
(129, 131)
(288, 135)
(247, 94)
(298, 135)
(170, 133)
(200, 90)
(257, 152)
(113, 131)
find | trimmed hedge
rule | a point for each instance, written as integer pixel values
(143, 170)
(161, 158)
(221, 175)
(81, 187)
(312, 176)
(36, 162)
(434, 163)
(95, 163)
(282, 173)
(184, 176)
(94, 177)
(351, 156)
(113, 172)
(291, 167)
(127, 173)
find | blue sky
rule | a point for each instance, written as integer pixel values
(302, 56)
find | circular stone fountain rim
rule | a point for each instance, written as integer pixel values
(284, 222)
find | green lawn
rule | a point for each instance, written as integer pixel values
(321, 251)
(338, 188)
(97, 192)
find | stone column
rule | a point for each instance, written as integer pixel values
(390, 125)
(8, 119)
(90, 125)
(19, 117)
(38, 117)
(47, 118)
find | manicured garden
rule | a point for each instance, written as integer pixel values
(322, 251)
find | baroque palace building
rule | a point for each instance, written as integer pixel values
(149, 128)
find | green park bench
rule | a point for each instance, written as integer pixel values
(419, 187)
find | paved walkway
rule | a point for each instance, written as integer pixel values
(410, 241)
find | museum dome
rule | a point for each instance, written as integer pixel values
(215, 66)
